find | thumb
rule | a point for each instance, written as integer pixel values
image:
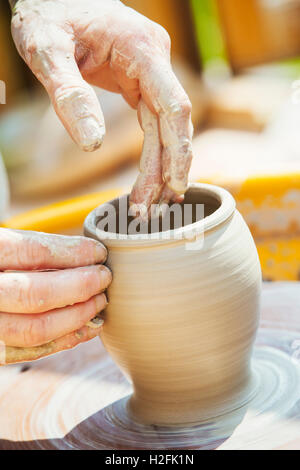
(75, 102)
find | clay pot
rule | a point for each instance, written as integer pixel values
(181, 322)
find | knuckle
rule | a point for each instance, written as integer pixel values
(29, 254)
(151, 33)
(164, 36)
(38, 58)
(185, 148)
(41, 51)
(31, 298)
(88, 283)
(186, 107)
(35, 333)
(41, 62)
(182, 108)
(36, 48)
(64, 95)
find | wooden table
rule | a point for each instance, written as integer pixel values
(58, 402)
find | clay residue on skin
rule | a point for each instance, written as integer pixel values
(14, 355)
(56, 246)
(36, 250)
(149, 184)
(176, 130)
(96, 322)
(113, 47)
(87, 129)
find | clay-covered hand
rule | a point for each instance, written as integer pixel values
(51, 288)
(70, 43)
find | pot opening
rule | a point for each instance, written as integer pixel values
(114, 217)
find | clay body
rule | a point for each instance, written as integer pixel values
(181, 322)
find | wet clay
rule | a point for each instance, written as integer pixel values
(181, 322)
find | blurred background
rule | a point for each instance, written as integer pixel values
(239, 61)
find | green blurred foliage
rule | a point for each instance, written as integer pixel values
(208, 30)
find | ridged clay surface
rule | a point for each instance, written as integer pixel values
(181, 323)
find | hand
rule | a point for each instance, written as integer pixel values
(50, 290)
(68, 43)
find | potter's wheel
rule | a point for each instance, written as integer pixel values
(56, 402)
(276, 391)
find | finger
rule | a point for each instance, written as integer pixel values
(75, 102)
(25, 250)
(37, 292)
(162, 91)
(13, 355)
(149, 183)
(33, 330)
(169, 196)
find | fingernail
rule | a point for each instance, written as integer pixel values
(79, 334)
(106, 276)
(96, 322)
(89, 133)
(101, 302)
(100, 252)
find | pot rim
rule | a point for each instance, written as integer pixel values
(210, 222)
